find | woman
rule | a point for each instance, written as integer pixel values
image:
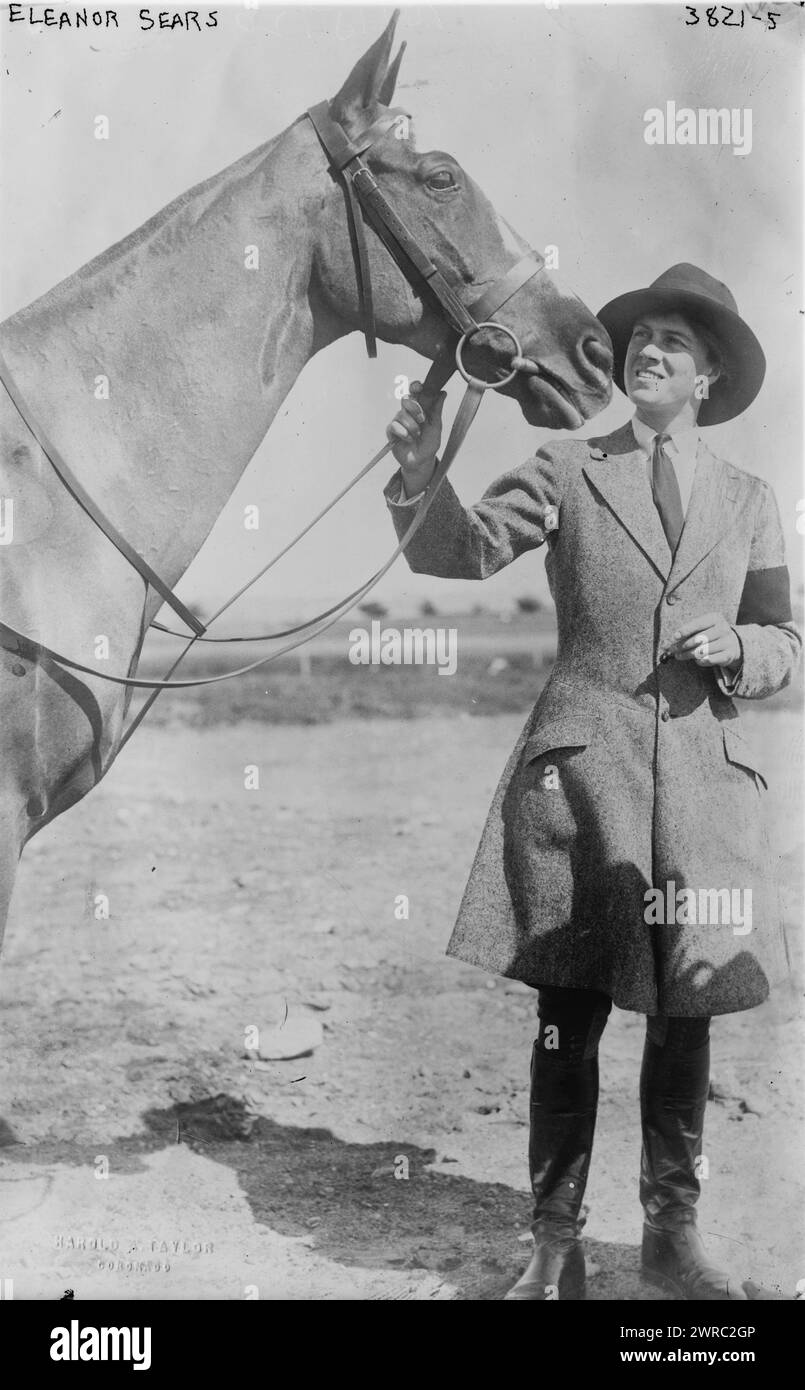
(624, 857)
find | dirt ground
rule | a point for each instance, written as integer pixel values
(156, 1158)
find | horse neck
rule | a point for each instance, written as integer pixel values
(199, 338)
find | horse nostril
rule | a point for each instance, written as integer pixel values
(598, 353)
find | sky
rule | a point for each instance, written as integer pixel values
(544, 106)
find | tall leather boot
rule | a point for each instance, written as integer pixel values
(564, 1101)
(673, 1096)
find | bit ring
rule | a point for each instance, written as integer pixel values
(477, 381)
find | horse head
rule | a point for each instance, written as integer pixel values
(566, 373)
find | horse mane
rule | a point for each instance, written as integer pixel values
(166, 230)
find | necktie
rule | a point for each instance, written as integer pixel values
(665, 491)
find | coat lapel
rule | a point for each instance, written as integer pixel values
(712, 509)
(617, 470)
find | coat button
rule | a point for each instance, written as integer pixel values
(665, 716)
(671, 598)
(664, 657)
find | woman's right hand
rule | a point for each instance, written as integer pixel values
(415, 437)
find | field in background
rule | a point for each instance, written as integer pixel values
(502, 666)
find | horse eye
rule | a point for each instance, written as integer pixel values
(441, 179)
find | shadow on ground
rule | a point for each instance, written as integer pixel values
(348, 1200)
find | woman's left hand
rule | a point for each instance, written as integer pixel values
(708, 640)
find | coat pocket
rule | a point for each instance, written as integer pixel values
(559, 734)
(739, 752)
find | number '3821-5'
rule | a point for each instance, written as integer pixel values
(766, 17)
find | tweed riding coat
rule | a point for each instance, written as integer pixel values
(632, 772)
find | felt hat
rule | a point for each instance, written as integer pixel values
(687, 290)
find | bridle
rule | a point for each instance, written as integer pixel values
(365, 203)
(363, 193)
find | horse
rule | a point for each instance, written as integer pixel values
(158, 368)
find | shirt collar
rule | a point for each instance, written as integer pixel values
(681, 441)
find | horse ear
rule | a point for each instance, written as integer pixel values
(387, 90)
(368, 80)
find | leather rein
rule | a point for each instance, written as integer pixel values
(365, 202)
